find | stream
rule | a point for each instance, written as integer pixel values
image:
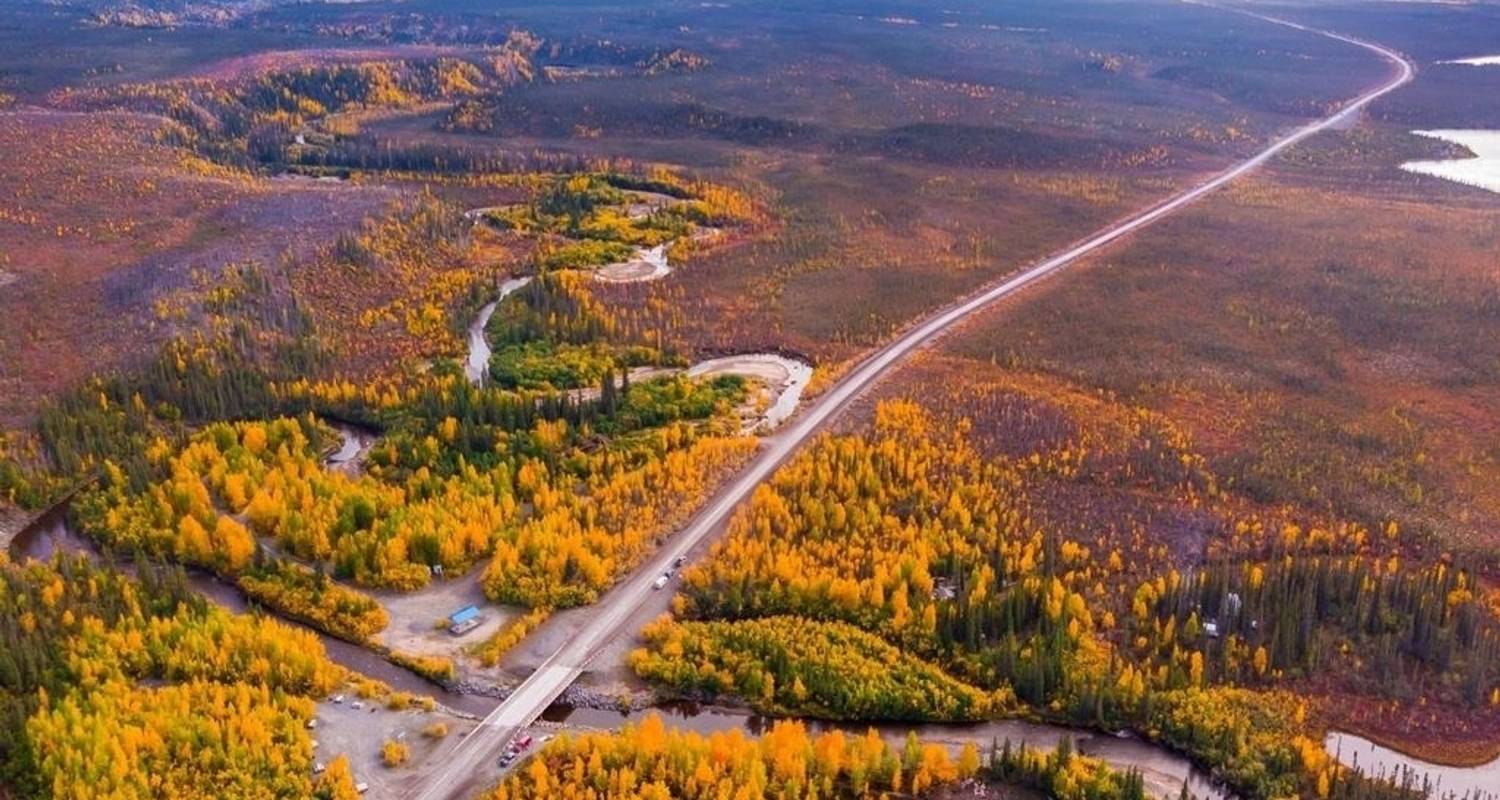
(648, 264)
(51, 534)
(1163, 770)
(478, 365)
(354, 441)
(786, 377)
(1470, 783)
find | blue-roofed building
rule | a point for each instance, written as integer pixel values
(464, 620)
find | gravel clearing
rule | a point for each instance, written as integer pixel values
(784, 379)
(359, 733)
(648, 265)
(415, 616)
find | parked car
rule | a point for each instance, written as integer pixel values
(661, 581)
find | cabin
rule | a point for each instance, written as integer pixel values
(464, 620)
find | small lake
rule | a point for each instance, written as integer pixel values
(1482, 170)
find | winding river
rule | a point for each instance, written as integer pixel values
(787, 379)
(478, 364)
(1163, 770)
(1469, 783)
(51, 533)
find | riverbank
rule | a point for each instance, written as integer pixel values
(1164, 771)
(1479, 782)
(477, 366)
(1457, 754)
(12, 521)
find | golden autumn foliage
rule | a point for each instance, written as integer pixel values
(558, 516)
(577, 542)
(651, 761)
(1257, 739)
(909, 534)
(389, 288)
(439, 669)
(300, 593)
(393, 753)
(255, 746)
(367, 529)
(490, 650)
(337, 782)
(874, 563)
(137, 689)
(791, 664)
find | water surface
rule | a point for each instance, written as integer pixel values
(1482, 170)
(1477, 61)
(478, 364)
(1475, 783)
(1164, 771)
